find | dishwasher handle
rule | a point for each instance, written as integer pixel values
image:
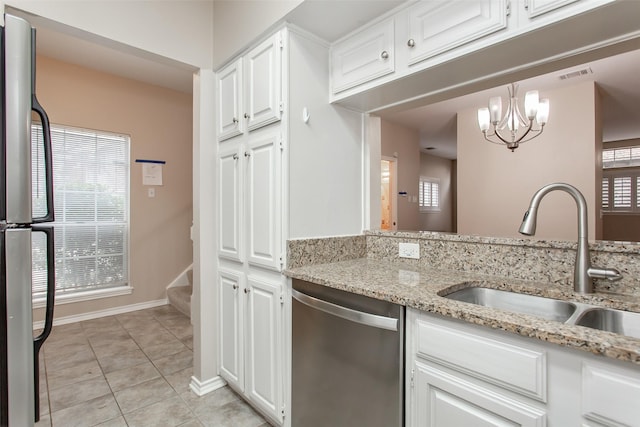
(381, 322)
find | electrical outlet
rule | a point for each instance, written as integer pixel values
(409, 250)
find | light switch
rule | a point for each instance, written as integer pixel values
(151, 192)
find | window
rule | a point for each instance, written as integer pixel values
(91, 196)
(429, 194)
(620, 157)
(620, 190)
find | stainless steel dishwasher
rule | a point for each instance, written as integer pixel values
(347, 359)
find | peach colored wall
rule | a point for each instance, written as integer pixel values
(159, 122)
(405, 142)
(437, 167)
(496, 185)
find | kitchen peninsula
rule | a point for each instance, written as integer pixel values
(494, 359)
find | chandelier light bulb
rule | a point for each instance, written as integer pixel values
(531, 101)
(495, 108)
(484, 119)
(543, 112)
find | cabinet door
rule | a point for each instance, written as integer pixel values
(610, 395)
(538, 7)
(365, 56)
(230, 202)
(264, 83)
(437, 27)
(263, 199)
(264, 383)
(444, 400)
(230, 288)
(230, 101)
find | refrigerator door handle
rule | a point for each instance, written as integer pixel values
(46, 132)
(48, 319)
(51, 285)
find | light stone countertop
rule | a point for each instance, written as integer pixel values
(422, 287)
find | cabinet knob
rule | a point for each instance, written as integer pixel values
(235, 157)
(246, 116)
(384, 54)
(247, 154)
(246, 291)
(411, 43)
(235, 120)
(235, 287)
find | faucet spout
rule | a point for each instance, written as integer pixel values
(583, 271)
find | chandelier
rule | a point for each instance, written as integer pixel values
(514, 128)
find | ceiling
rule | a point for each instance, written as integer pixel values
(617, 77)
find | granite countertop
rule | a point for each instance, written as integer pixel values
(422, 287)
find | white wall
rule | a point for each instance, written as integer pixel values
(236, 23)
(325, 154)
(179, 30)
(495, 185)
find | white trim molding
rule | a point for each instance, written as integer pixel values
(102, 313)
(85, 296)
(202, 388)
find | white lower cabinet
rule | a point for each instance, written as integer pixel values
(459, 374)
(251, 355)
(443, 399)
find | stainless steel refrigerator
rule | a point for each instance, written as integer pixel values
(18, 347)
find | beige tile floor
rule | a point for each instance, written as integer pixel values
(131, 369)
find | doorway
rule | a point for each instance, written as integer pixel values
(388, 193)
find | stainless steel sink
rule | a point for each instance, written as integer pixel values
(606, 319)
(546, 308)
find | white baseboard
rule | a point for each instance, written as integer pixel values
(102, 313)
(181, 280)
(202, 388)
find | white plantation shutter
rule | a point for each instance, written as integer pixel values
(605, 193)
(429, 194)
(622, 192)
(91, 196)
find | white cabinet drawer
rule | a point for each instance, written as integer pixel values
(438, 27)
(609, 397)
(365, 56)
(515, 368)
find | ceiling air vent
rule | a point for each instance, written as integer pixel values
(577, 73)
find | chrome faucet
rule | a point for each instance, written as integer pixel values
(583, 271)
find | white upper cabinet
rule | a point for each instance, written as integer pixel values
(363, 57)
(230, 101)
(263, 71)
(437, 27)
(424, 34)
(538, 7)
(250, 90)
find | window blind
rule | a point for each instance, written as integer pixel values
(91, 196)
